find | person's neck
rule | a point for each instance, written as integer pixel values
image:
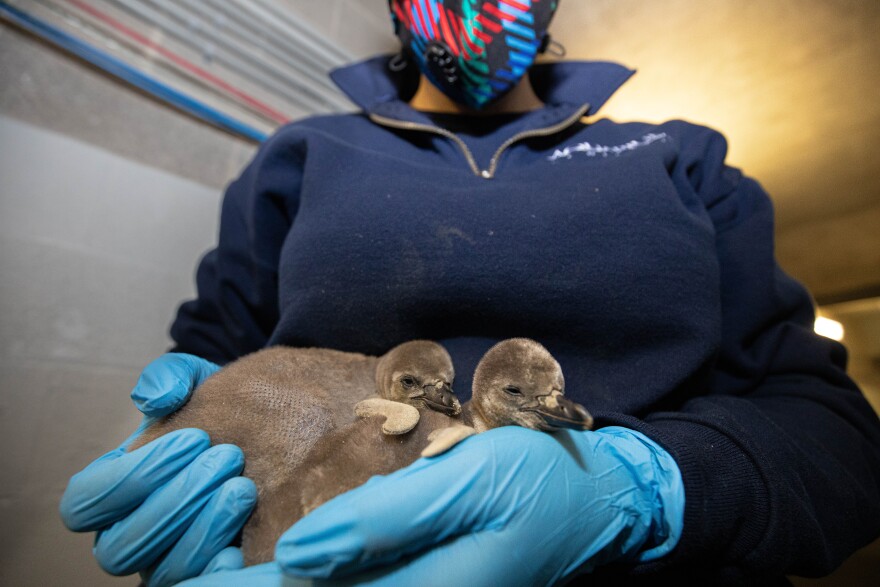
(522, 98)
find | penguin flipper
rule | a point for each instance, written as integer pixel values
(443, 439)
(400, 418)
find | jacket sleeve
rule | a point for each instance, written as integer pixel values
(236, 308)
(781, 456)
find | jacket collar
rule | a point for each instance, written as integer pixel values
(564, 86)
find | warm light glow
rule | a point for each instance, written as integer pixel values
(828, 328)
(769, 77)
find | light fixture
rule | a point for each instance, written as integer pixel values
(828, 328)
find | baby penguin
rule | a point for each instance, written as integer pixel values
(414, 375)
(517, 382)
(278, 402)
(381, 442)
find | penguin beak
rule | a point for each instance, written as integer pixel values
(559, 412)
(439, 397)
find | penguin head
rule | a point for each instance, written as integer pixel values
(418, 373)
(518, 382)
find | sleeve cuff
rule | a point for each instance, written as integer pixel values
(725, 509)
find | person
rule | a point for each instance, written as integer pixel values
(469, 201)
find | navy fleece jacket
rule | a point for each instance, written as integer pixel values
(641, 261)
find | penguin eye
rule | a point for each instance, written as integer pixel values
(408, 381)
(512, 390)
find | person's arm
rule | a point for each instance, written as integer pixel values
(781, 456)
(236, 308)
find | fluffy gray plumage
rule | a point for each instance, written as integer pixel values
(292, 413)
(517, 382)
(277, 403)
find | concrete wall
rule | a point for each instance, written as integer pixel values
(107, 200)
(95, 252)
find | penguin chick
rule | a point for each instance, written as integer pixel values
(517, 382)
(416, 374)
(340, 461)
(277, 402)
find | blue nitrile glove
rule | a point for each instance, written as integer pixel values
(170, 508)
(507, 507)
(265, 575)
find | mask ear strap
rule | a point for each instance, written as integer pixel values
(398, 62)
(552, 46)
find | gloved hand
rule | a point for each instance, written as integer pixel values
(170, 508)
(507, 507)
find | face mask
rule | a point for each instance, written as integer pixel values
(474, 51)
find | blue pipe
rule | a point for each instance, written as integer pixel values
(129, 74)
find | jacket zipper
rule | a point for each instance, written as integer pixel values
(472, 162)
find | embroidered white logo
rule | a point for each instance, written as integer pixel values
(591, 150)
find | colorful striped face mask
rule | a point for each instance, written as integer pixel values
(474, 51)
